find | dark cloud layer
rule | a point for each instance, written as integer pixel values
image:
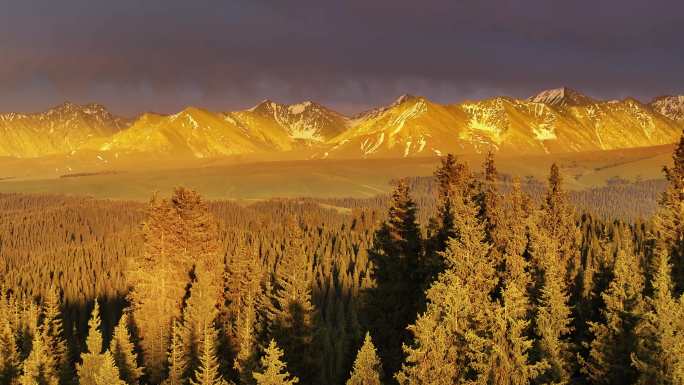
(161, 55)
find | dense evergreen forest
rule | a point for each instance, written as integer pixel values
(469, 277)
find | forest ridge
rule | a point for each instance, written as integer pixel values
(491, 288)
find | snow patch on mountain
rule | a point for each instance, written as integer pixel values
(544, 133)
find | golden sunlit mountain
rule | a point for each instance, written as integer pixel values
(551, 122)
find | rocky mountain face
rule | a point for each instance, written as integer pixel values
(563, 97)
(306, 121)
(670, 106)
(553, 121)
(60, 130)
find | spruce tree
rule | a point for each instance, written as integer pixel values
(180, 239)
(177, 360)
(453, 180)
(97, 366)
(512, 237)
(246, 360)
(123, 351)
(668, 223)
(659, 357)
(396, 256)
(106, 373)
(459, 308)
(39, 366)
(159, 281)
(553, 321)
(10, 360)
(367, 368)
(199, 313)
(609, 360)
(292, 316)
(490, 199)
(208, 371)
(558, 220)
(273, 370)
(54, 335)
(242, 284)
(500, 356)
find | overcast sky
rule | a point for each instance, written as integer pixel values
(162, 55)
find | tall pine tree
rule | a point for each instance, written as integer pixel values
(367, 369)
(659, 357)
(553, 318)
(123, 351)
(397, 270)
(208, 372)
(273, 370)
(459, 307)
(54, 335)
(558, 220)
(39, 366)
(97, 366)
(609, 360)
(668, 224)
(292, 316)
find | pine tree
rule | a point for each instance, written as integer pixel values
(292, 316)
(367, 368)
(159, 281)
(246, 360)
(54, 335)
(199, 313)
(123, 352)
(208, 371)
(668, 223)
(397, 297)
(558, 220)
(453, 180)
(511, 238)
(242, 290)
(659, 357)
(490, 199)
(459, 307)
(39, 366)
(609, 360)
(501, 355)
(10, 360)
(180, 238)
(273, 369)
(106, 373)
(97, 367)
(176, 357)
(553, 321)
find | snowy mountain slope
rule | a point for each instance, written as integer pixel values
(562, 96)
(670, 106)
(59, 130)
(306, 121)
(192, 132)
(562, 122)
(554, 121)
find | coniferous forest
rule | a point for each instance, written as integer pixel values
(468, 277)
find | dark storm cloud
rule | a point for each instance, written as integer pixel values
(164, 54)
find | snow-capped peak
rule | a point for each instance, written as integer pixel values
(405, 98)
(562, 96)
(299, 108)
(670, 106)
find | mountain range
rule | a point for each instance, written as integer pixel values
(554, 121)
